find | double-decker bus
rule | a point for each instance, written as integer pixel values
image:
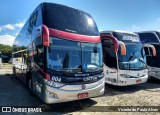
(124, 58)
(153, 62)
(58, 54)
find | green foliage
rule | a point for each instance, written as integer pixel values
(6, 49)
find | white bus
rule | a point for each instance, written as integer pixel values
(58, 54)
(153, 62)
(124, 58)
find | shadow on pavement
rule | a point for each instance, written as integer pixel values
(154, 80)
(73, 106)
(14, 93)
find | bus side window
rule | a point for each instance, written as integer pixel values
(34, 53)
(32, 22)
(40, 57)
(39, 17)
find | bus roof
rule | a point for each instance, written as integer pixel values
(60, 18)
(45, 3)
(152, 37)
(119, 31)
(124, 36)
(149, 31)
(48, 18)
(20, 51)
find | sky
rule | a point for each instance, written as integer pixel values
(127, 15)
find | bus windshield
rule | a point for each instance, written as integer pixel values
(134, 58)
(73, 56)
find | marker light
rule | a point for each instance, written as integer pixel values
(125, 76)
(54, 84)
(51, 95)
(123, 47)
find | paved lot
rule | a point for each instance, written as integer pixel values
(14, 93)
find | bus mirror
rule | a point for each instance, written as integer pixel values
(152, 47)
(114, 40)
(45, 35)
(123, 47)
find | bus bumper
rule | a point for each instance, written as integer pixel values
(154, 74)
(61, 95)
(128, 81)
(132, 81)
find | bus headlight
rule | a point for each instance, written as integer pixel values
(125, 76)
(51, 95)
(101, 75)
(54, 84)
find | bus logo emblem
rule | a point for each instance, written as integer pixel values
(84, 67)
(83, 86)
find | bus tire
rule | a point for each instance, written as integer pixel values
(29, 83)
(14, 72)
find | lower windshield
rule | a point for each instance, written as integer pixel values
(134, 58)
(72, 56)
(91, 56)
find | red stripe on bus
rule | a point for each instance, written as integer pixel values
(72, 36)
(45, 75)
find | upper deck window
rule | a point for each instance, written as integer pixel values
(148, 38)
(69, 19)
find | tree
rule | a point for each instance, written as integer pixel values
(6, 50)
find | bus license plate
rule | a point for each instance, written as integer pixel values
(83, 95)
(139, 81)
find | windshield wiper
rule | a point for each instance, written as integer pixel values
(94, 70)
(143, 62)
(131, 57)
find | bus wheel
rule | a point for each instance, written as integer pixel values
(14, 72)
(29, 83)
